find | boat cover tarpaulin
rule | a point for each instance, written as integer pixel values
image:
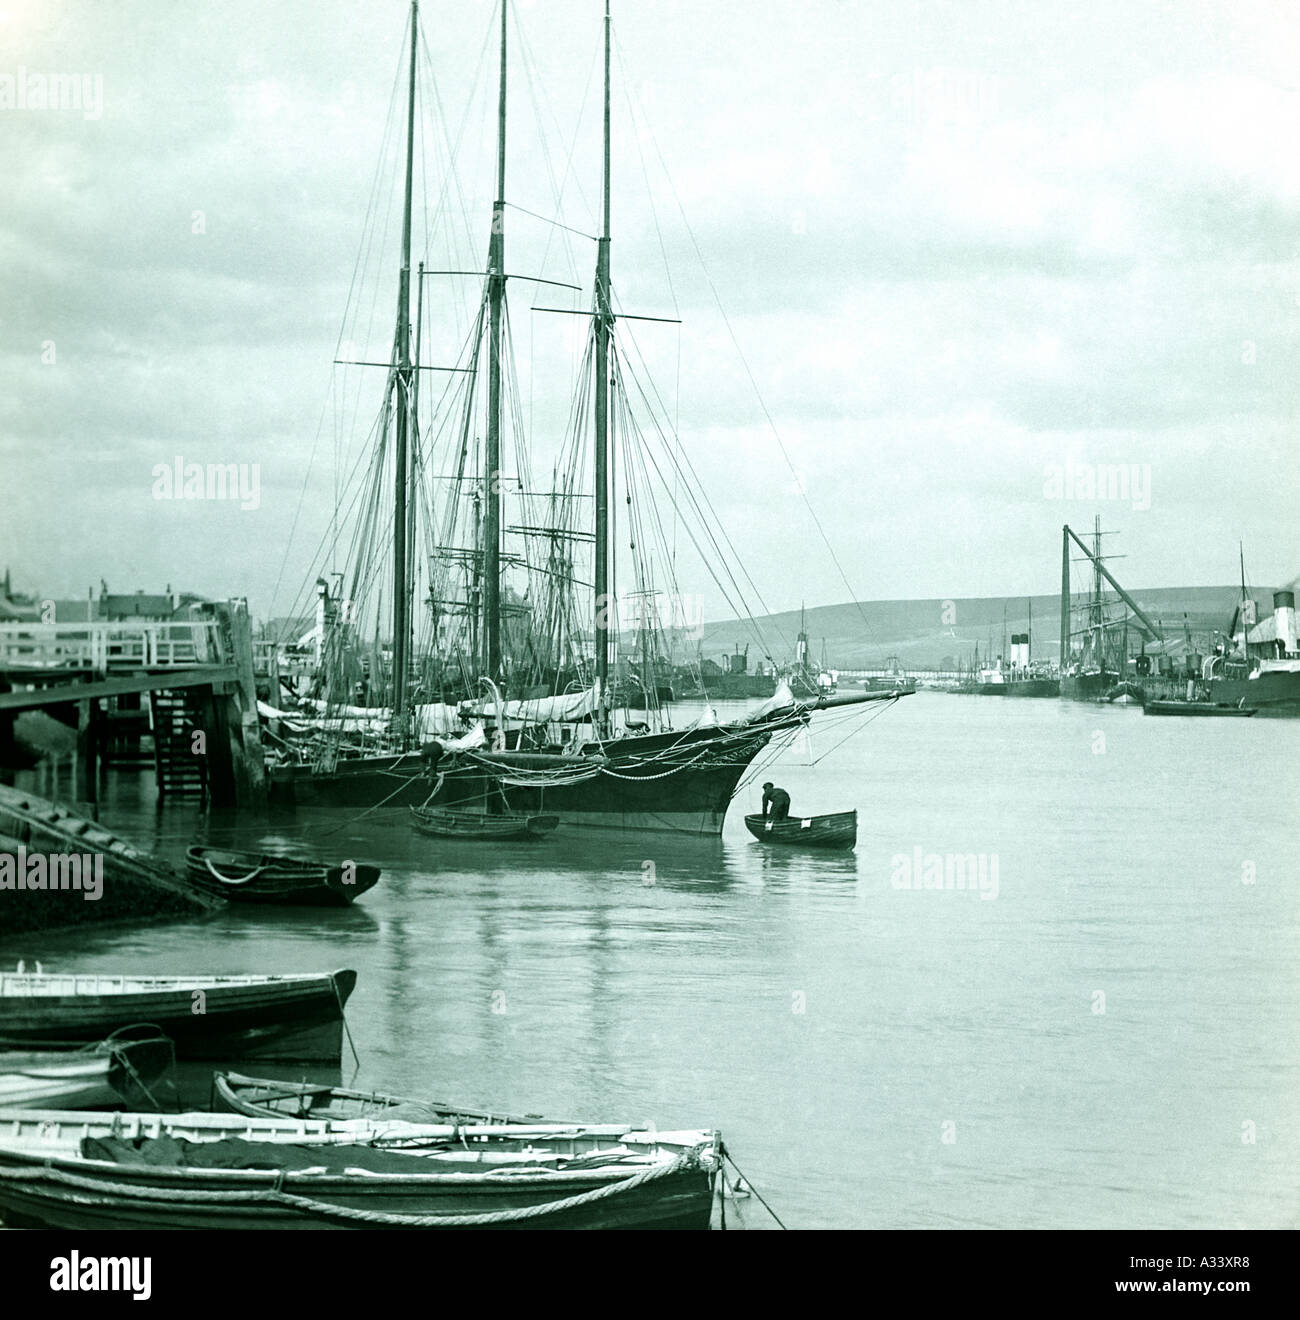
(545, 710)
(232, 1153)
(431, 719)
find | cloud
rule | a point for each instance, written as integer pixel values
(947, 249)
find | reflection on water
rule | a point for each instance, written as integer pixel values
(1084, 1050)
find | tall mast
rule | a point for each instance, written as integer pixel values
(1098, 621)
(414, 447)
(401, 618)
(603, 321)
(1065, 598)
(492, 463)
(1245, 627)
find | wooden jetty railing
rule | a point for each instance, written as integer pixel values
(206, 664)
(105, 648)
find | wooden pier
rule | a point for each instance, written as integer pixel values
(199, 680)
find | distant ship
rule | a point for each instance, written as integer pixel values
(1021, 676)
(1262, 672)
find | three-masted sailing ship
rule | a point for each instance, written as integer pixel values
(504, 703)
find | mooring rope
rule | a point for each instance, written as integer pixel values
(663, 774)
(352, 820)
(120, 1050)
(726, 1155)
(347, 1031)
(230, 879)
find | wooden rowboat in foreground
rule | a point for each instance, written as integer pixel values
(208, 1017)
(839, 830)
(81, 1171)
(245, 877)
(480, 825)
(268, 1097)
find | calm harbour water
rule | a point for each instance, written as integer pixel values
(875, 1057)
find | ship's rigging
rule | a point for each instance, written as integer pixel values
(474, 597)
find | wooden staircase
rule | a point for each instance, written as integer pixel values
(181, 771)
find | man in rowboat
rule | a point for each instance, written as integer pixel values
(776, 803)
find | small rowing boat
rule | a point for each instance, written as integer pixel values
(83, 1170)
(267, 1097)
(1195, 708)
(123, 1070)
(839, 830)
(245, 877)
(480, 825)
(294, 1018)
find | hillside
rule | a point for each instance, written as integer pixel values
(929, 634)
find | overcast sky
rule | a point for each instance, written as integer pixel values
(960, 245)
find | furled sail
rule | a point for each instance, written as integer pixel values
(542, 710)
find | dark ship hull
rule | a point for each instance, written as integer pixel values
(1020, 687)
(1087, 687)
(634, 698)
(738, 687)
(680, 783)
(1275, 692)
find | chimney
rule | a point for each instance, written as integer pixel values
(1284, 618)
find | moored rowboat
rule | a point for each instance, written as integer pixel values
(245, 877)
(1195, 708)
(839, 830)
(65, 1170)
(479, 825)
(123, 1070)
(267, 1097)
(208, 1017)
